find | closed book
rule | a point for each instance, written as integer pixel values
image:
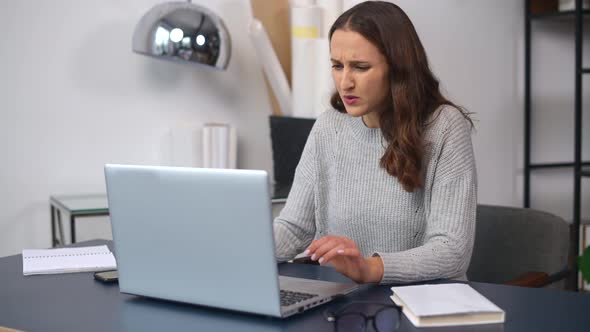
(446, 305)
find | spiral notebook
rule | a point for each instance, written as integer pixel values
(68, 260)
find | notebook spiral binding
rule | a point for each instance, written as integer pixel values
(69, 255)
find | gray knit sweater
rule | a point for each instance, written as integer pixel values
(340, 189)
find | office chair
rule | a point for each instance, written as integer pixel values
(517, 246)
(288, 138)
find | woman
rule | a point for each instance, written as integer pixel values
(386, 184)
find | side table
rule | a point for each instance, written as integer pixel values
(87, 205)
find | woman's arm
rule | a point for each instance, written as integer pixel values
(448, 244)
(294, 228)
(450, 228)
(445, 254)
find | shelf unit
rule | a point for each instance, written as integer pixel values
(581, 168)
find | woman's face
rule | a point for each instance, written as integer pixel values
(361, 75)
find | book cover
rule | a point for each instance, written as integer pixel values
(446, 305)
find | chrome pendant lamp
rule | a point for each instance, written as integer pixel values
(183, 32)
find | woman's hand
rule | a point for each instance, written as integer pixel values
(343, 254)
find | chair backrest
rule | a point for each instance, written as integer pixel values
(288, 138)
(512, 241)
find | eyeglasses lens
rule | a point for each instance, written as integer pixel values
(387, 320)
(350, 322)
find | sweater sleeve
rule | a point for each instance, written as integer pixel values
(294, 228)
(450, 229)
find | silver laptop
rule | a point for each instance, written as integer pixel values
(203, 236)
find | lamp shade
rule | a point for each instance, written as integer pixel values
(183, 32)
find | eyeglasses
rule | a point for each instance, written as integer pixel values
(354, 316)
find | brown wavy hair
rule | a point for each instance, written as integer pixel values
(415, 92)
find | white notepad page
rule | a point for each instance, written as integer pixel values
(67, 260)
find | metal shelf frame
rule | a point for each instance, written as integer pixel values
(578, 15)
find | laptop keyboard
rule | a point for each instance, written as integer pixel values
(289, 297)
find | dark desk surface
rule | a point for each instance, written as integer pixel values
(76, 302)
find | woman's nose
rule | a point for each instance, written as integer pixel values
(346, 81)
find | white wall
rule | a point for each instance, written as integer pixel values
(75, 97)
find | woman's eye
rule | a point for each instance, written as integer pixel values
(337, 66)
(362, 68)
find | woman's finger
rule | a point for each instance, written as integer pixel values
(317, 243)
(350, 252)
(348, 242)
(313, 247)
(327, 257)
(324, 248)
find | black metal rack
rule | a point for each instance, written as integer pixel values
(578, 16)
